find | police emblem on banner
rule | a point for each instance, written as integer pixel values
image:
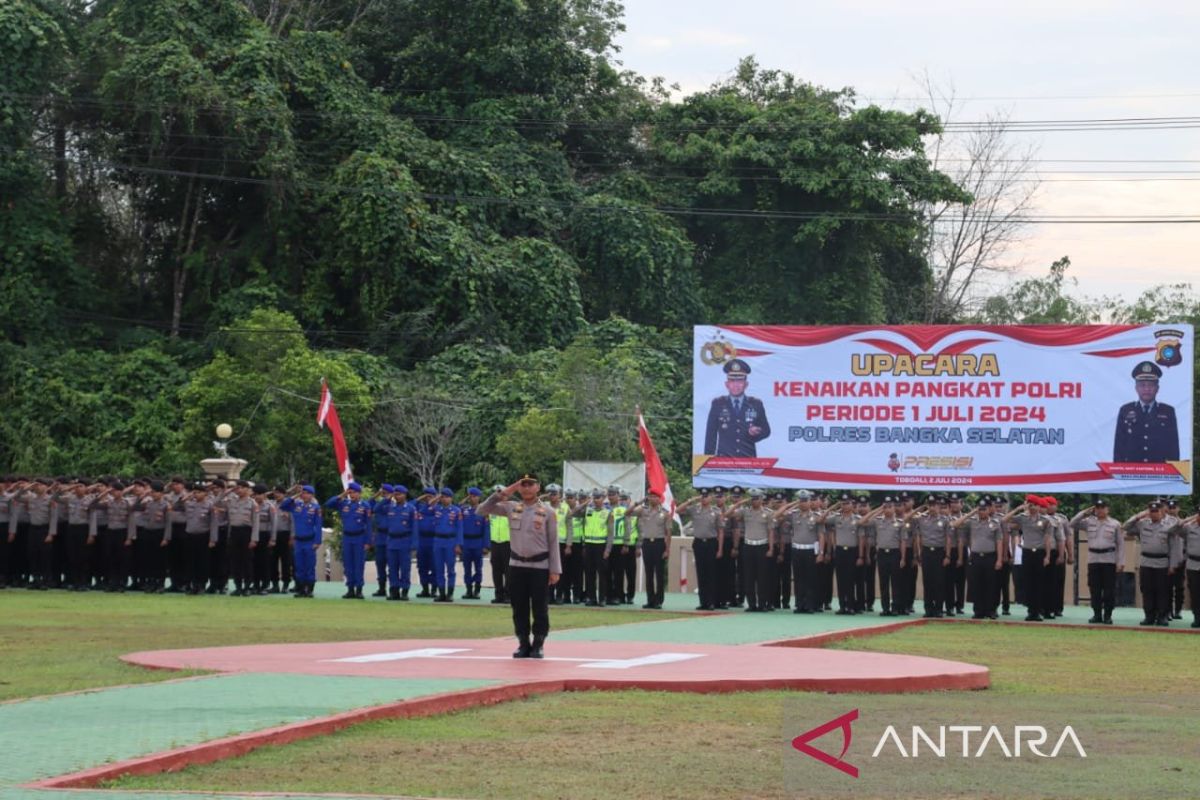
(1169, 350)
(717, 352)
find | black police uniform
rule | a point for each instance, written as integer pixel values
(1146, 433)
(730, 419)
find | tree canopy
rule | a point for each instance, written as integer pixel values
(206, 206)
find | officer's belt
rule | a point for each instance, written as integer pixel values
(888, 549)
(933, 547)
(353, 533)
(304, 538)
(798, 546)
(445, 535)
(754, 542)
(399, 534)
(1033, 549)
(1102, 549)
(530, 559)
(473, 536)
(1154, 555)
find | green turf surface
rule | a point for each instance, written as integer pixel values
(1126, 694)
(739, 627)
(52, 736)
(56, 642)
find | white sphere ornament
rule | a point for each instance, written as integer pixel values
(224, 431)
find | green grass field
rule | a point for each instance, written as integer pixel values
(1126, 694)
(58, 642)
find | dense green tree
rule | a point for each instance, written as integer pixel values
(468, 201)
(264, 380)
(1052, 300)
(802, 207)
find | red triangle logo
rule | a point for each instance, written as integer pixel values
(801, 742)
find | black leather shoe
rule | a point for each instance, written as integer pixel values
(536, 650)
(523, 651)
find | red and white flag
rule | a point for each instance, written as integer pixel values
(655, 474)
(327, 415)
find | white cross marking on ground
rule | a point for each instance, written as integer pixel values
(453, 652)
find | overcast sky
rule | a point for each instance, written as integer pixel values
(1052, 59)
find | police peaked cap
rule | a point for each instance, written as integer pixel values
(1147, 371)
(737, 368)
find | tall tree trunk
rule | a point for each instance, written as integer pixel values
(60, 159)
(179, 279)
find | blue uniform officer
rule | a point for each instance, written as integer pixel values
(427, 500)
(400, 524)
(477, 540)
(379, 541)
(306, 536)
(356, 519)
(447, 543)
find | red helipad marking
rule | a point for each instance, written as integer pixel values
(650, 665)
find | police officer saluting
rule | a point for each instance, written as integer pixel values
(447, 544)
(654, 543)
(1154, 533)
(356, 516)
(400, 525)
(1037, 538)
(706, 525)
(306, 536)
(477, 541)
(242, 512)
(753, 544)
(1106, 557)
(891, 553)
(986, 539)
(501, 547)
(535, 564)
(1189, 531)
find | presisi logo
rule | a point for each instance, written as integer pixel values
(801, 742)
(976, 741)
(939, 462)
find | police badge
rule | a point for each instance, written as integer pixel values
(1169, 350)
(717, 352)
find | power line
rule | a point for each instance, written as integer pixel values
(1048, 125)
(716, 173)
(737, 213)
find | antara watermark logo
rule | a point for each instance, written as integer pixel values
(944, 741)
